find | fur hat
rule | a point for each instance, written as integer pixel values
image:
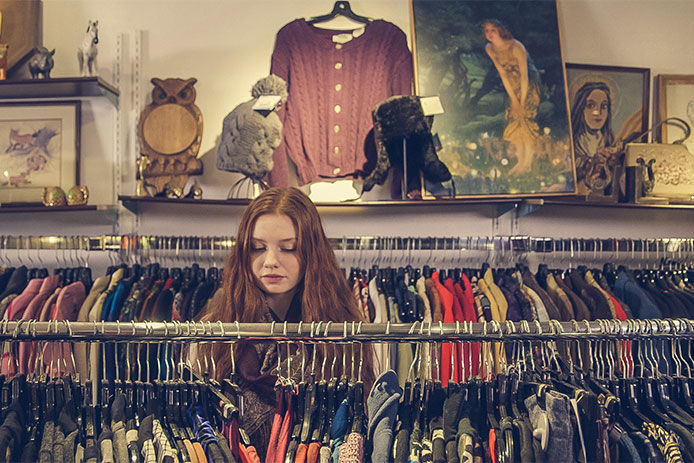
(249, 138)
(401, 117)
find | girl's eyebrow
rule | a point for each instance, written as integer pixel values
(285, 240)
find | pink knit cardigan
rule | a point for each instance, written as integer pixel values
(333, 88)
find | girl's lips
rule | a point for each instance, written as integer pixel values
(273, 278)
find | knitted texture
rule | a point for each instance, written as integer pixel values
(332, 89)
(352, 451)
(249, 138)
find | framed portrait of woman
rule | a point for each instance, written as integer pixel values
(609, 106)
(497, 68)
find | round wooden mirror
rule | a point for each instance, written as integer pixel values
(169, 129)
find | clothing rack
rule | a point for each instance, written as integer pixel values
(347, 332)
(515, 244)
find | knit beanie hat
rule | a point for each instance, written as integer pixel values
(249, 137)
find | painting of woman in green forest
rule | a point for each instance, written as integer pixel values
(497, 68)
(521, 82)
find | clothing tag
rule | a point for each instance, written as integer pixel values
(266, 102)
(332, 192)
(431, 105)
(342, 38)
(357, 32)
(437, 142)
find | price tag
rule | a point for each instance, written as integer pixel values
(431, 105)
(342, 38)
(266, 102)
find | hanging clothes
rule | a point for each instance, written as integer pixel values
(322, 79)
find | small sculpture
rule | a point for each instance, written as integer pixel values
(3, 60)
(78, 195)
(648, 176)
(41, 63)
(142, 163)
(53, 196)
(86, 53)
(249, 137)
(170, 132)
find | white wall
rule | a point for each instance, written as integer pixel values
(227, 44)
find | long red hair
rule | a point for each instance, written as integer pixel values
(326, 295)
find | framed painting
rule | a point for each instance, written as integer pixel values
(609, 105)
(675, 98)
(39, 147)
(497, 68)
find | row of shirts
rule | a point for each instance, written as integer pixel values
(112, 297)
(580, 426)
(515, 295)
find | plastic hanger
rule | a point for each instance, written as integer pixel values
(340, 8)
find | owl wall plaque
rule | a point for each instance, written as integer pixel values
(170, 131)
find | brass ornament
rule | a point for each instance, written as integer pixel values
(78, 195)
(53, 196)
(142, 164)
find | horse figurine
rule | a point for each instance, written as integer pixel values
(86, 53)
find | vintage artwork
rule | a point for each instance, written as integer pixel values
(675, 94)
(39, 147)
(609, 107)
(497, 68)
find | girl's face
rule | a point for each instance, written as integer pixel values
(595, 112)
(491, 33)
(274, 255)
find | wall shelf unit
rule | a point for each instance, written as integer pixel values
(61, 87)
(132, 203)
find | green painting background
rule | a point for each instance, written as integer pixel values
(452, 63)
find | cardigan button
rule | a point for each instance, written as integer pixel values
(336, 170)
(338, 108)
(338, 65)
(336, 150)
(336, 128)
(338, 87)
(338, 46)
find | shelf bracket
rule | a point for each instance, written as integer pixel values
(526, 208)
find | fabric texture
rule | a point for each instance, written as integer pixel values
(352, 451)
(382, 404)
(323, 78)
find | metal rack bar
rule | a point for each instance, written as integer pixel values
(515, 244)
(343, 332)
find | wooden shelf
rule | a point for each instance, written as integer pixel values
(62, 87)
(38, 207)
(580, 203)
(502, 205)
(131, 202)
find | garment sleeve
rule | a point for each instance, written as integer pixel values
(402, 68)
(279, 66)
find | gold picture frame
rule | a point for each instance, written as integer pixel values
(493, 147)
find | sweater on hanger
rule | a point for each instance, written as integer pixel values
(332, 89)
